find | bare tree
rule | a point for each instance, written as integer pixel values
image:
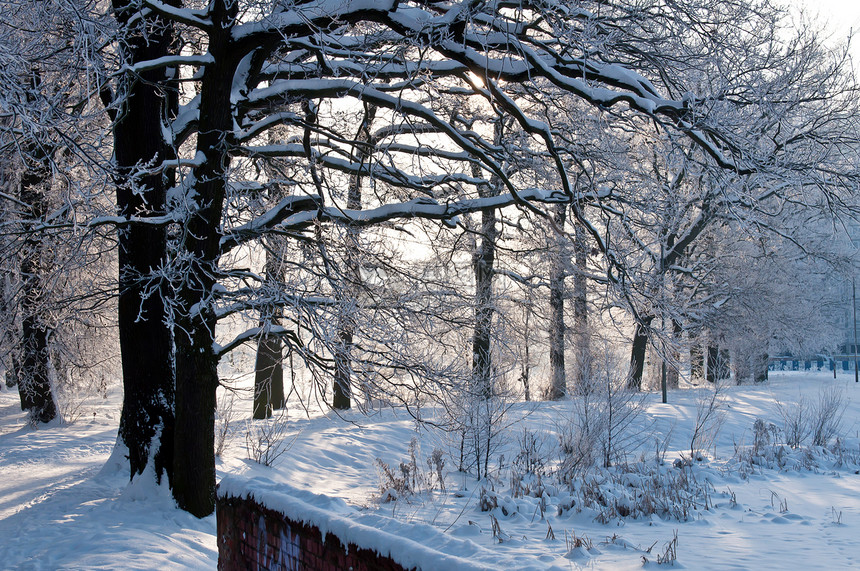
(293, 66)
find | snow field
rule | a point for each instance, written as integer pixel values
(65, 502)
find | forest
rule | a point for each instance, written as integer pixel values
(454, 205)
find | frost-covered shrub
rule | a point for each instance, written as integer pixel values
(710, 415)
(265, 439)
(402, 482)
(528, 468)
(795, 421)
(435, 464)
(224, 417)
(764, 435)
(826, 415)
(604, 423)
(639, 490)
(475, 421)
(767, 452)
(408, 479)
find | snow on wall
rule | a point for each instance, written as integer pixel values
(252, 537)
(264, 525)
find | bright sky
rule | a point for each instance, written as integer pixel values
(841, 16)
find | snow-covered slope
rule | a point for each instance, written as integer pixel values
(65, 502)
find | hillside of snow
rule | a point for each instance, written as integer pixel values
(744, 500)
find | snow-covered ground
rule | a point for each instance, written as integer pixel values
(65, 502)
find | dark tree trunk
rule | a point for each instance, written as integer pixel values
(482, 265)
(196, 362)
(558, 377)
(483, 260)
(759, 367)
(697, 363)
(342, 392)
(672, 373)
(724, 370)
(346, 326)
(637, 354)
(269, 376)
(194, 443)
(269, 370)
(34, 383)
(146, 347)
(583, 376)
(713, 367)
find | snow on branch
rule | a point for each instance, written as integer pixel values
(270, 219)
(254, 333)
(309, 16)
(195, 18)
(422, 207)
(170, 61)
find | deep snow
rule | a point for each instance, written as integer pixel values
(65, 502)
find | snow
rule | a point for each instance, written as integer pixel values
(411, 545)
(321, 10)
(65, 500)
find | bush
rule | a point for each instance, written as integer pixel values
(265, 439)
(826, 415)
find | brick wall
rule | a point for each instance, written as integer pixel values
(253, 537)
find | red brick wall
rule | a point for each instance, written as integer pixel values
(252, 537)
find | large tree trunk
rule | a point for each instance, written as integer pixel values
(558, 382)
(147, 418)
(483, 377)
(194, 443)
(482, 265)
(196, 362)
(637, 354)
(34, 384)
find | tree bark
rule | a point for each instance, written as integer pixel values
(637, 354)
(146, 345)
(483, 260)
(760, 361)
(268, 376)
(672, 373)
(268, 369)
(584, 372)
(342, 382)
(34, 383)
(482, 266)
(697, 362)
(712, 371)
(194, 443)
(558, 383)
(196, 361)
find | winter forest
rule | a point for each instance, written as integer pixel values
(538, 239)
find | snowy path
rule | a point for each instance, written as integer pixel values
(64, 504)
